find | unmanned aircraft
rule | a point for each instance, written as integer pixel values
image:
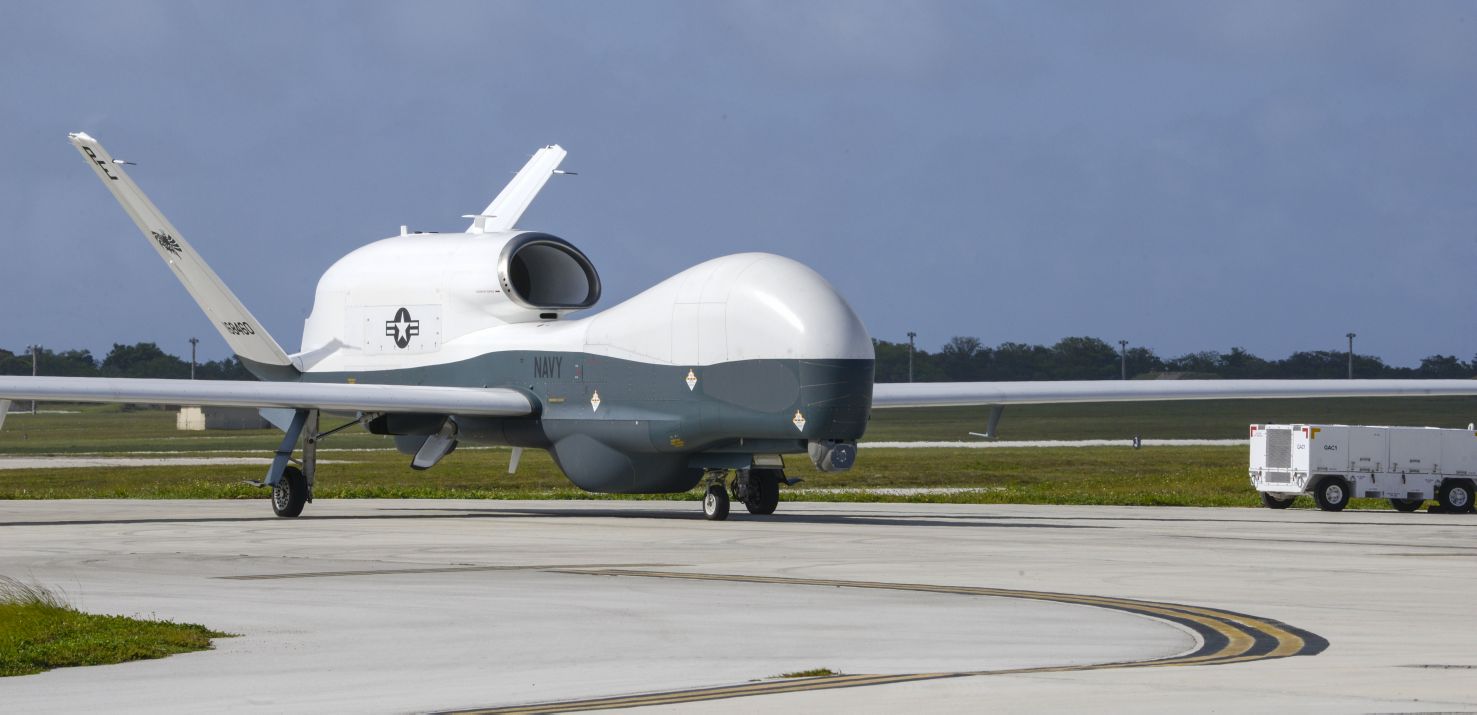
(710, 377)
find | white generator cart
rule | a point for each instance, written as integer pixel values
(1336, 463)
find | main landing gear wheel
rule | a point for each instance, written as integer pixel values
(715, 503)
(1455, 497)
(1272, 501)
(1332, 494)
(290, 494)
(762, 493)
(1407, 505)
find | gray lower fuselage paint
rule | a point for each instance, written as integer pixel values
(649, 432)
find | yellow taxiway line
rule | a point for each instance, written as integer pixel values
(1226, 637)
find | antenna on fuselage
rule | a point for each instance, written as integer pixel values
(513, 200)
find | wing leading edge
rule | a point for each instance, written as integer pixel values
(941, 394)
(490, 402)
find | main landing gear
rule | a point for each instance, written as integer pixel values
(291, 479)
(758, 488)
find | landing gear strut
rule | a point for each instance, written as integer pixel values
(291, 480)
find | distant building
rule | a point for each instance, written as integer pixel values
(204, 418)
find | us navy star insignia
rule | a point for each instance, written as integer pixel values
(402, 328)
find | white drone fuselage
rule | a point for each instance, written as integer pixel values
(458, 289)
(634, 398)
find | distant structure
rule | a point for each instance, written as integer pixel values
(195, 419)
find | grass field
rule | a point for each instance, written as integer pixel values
(1195, 419)
(40, 631)
(1189, 476)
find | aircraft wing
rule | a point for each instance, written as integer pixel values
(938, 394)
(339, 397)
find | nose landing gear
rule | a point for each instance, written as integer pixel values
(758, 488)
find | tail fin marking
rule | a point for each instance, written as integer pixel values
(241, 330)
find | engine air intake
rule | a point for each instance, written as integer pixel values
(541, 271)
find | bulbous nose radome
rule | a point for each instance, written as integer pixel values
(780, 308)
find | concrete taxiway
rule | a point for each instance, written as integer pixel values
(390, 606)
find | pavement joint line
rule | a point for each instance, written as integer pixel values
(426, 569)
(1225, 637)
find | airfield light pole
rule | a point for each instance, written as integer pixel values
(1123, 359)
(35, 351)
(1350, 336)
(193, 343)
(911, 335)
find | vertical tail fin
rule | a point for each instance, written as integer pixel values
(246, 336)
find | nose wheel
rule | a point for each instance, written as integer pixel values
(715, 503)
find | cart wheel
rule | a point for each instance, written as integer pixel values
(1272, 501)
(1407, 505)
(1332, 494)
(1455, 496)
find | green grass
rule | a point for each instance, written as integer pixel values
(1182, 476)
(40, 631)
(112, 428)
(1195, 419)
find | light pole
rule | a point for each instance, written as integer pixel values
(911, 335)
(193, 343)
(1123, 359)
(35, 351)
(1351, 355)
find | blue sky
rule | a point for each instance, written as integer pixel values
(1182, 175)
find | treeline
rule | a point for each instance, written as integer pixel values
(140, 360)
(965, 359)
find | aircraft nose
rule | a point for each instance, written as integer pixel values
(780, 308)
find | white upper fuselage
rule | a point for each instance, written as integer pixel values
(738, 307)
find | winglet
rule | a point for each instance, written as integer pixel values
(246, 336)
(513, 200)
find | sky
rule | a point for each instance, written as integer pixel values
(1185, 176)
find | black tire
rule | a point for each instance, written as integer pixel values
(1407, 505)
(765, 495)
(1332, 494)
(290, 494)
(1271, 501)
(1455, 496)
(715, 503)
